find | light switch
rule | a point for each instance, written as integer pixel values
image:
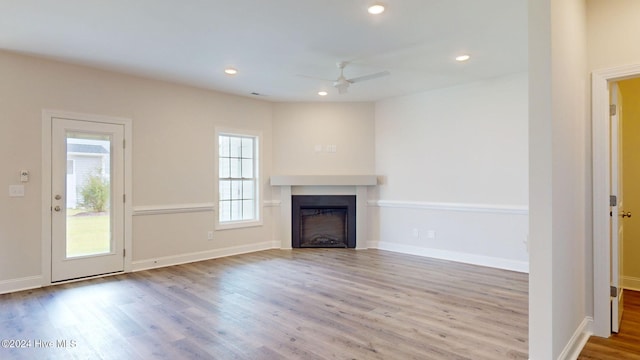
(16, 190)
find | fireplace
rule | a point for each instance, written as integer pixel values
(325, 221)
(354, 186)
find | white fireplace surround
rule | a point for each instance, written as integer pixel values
(323, 185)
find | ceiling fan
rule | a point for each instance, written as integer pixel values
(342, 83)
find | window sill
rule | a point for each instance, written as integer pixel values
(238, 224)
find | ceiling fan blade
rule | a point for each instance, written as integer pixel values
(368, 77)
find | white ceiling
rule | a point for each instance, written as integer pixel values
(273, 42)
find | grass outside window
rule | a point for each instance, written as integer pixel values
(88, 233)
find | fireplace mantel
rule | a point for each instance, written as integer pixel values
(324, 180)
(323, 185)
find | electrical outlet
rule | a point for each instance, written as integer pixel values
(415, 232)
(210, 235)
(431, 234)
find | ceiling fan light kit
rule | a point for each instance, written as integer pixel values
(342, 83)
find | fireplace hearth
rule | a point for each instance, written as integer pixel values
(323, 221)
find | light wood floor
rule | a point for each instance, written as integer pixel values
(626, 344)
(300, 304)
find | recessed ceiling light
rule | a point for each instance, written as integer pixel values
(376, 9)
(323, 93)
(230, 71)
(464, 57)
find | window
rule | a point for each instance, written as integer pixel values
(237, 180)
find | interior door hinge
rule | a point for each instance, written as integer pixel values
(124, 144)
(614, 291)
(124, 252)
(613, 200)
(124, 198)
(612, 109)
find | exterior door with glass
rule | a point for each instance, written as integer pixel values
(87, 205)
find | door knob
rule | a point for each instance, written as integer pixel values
(626, 214)
(57, 208)
(58, 197)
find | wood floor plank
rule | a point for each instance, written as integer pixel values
(624, 345)
(298, 304)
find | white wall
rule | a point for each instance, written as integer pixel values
(298, 128)
(464, 144)
(559, 171)
(173, 153)
(454, 161)
(301, 134)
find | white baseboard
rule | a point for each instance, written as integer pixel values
(506, 264)
(147, 264)
(578, 340)
(631, 283)
(26, 283)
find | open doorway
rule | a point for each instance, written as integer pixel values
(607, 215)
(630, 92)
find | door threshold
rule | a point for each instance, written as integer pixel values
(98, 276)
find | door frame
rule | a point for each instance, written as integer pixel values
(600, 142)
(47, 121)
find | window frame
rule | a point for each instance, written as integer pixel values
(73, 167)
(257, 172)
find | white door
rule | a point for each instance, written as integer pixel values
(88, 238)
(618, 214)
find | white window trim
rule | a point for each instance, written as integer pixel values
(73, 167)
(258, 175)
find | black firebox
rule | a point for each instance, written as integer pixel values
(323, 221)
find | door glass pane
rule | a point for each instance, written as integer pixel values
(88, 193)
